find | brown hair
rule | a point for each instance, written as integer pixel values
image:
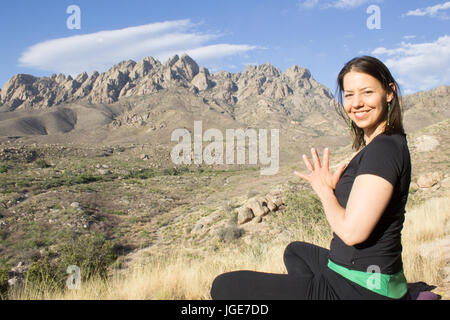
(378, 70)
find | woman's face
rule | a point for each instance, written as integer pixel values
(364, 100)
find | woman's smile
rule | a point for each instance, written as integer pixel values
(360, 115)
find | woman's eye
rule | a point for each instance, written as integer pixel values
(368, 92)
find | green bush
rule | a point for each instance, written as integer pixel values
(22, 184)
(174, 171)
(304, 211)
(3, 168)
(41, 163)
(84, 178)
(91, 253)
(170, 172)
(42, 275)
(69, 180)
(140, 174)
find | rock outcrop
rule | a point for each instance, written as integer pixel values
(147, 76)
(259, 206)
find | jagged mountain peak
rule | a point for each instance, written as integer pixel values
(130, 78)
(296, 71)
(265, 69)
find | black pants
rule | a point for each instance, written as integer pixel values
(308, 278)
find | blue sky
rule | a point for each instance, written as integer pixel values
(411, 36)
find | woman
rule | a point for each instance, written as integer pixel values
(364, 203)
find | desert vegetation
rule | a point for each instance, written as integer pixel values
(187, 272)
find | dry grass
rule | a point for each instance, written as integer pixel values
(180, 275)
(424, 251)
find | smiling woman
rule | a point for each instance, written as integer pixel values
(364, 204)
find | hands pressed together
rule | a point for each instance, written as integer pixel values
(320, 178)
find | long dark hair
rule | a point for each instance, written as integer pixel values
(378, 70)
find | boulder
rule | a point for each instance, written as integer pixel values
(257, 220)
(429, 179)
(104, 172)
(258, 205)
(426, 143)
(75, 204)
(245, 214)
(271, 205)
(276, 198)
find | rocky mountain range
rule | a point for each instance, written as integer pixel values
(147, 76)
(146, 100)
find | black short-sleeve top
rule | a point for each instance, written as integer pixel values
(386, 156)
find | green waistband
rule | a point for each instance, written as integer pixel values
(389, 285)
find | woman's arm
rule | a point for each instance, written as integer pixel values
(367, 201)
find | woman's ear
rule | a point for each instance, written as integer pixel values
(390, 93)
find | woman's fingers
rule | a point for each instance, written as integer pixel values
(301, 175)
(326, 157)
(315, 157)
(307, 163)
(339, 171)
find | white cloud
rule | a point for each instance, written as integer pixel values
(433, 11)
(344, 4)
(336, 4)
(308, 4)
(219, 51)
(100, 50)
(420, 66)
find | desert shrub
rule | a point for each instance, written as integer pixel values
(70, 180)
(91, 253)
(304, 211)
(3, 233)
(84, 178)
(43, 275)
(22, 184)
(3, 167)
(170, 172)
(182, 170)
(41, 163)
(140, 174)
(3, 283)
(229, 233)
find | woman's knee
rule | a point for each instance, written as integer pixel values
(294, 248)
(221, 286)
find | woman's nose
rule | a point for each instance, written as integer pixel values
(357, 100)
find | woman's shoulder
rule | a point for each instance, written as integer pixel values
(386, 156)
(391, 143)
(386, 147)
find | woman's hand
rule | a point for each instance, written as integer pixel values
(320, 177)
